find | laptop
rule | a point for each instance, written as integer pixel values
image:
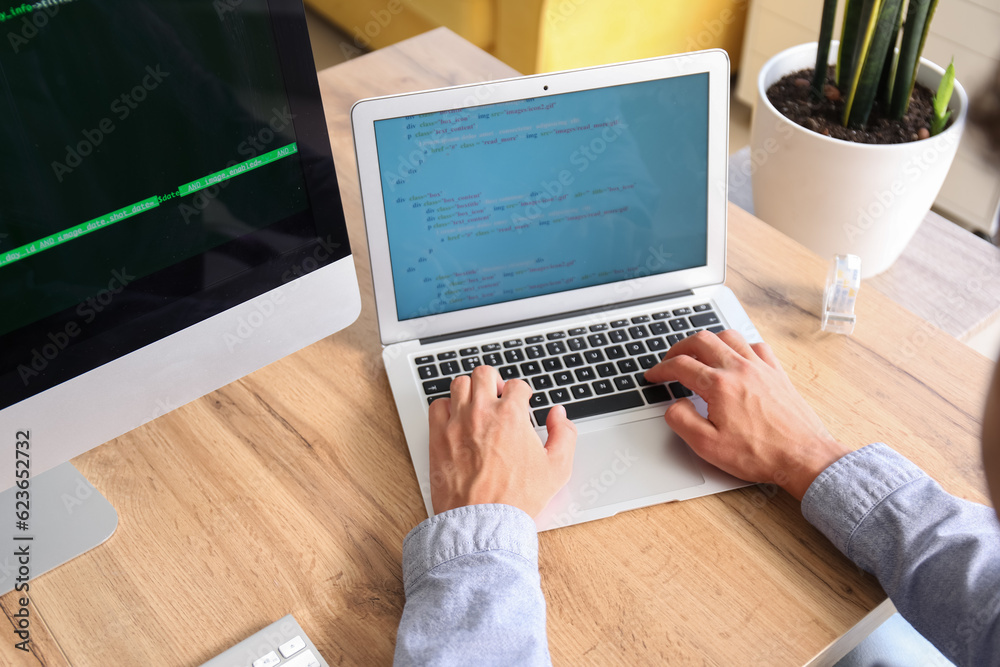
(567, 229)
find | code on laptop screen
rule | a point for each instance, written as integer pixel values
(506, 201)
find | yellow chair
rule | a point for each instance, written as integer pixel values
(547, 35)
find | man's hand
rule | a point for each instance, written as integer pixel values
(483, 448)
(758, 428)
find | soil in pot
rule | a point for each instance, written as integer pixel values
(791, 96)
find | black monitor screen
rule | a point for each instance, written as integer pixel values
(163, 160)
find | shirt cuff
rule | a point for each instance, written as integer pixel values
(844, 494)
(468, 530)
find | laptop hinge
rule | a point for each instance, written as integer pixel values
(551, 318)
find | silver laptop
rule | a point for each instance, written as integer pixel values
(567, 229)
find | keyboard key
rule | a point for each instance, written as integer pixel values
(431, 399)
(617, 324)
(717, 329)
(557, 347)
(576, 344)
(704, 319)
(593, 356)
(542, 382)
(292, 646)
(563, 378)
(679, 390)
(304, 659)
(624, 382)
(509, 372)
(635, 348)
(659, 328)
(533, 340)
(680, 324)
(628, 366)
(598, 327)
(552, 364)
(656, 393)
(515, 342)
(578, 331)
(424, 360)
(614, 352)
(597, 340)
(469, 364)
(427, 372)
(648, 361)
(556, 335)
(446, 355)
(492, 359)
(437, 386)
(640, 379)
(673, 339)
(584, 374)
(682, 311)
(491, 347)
(557, 396)
(640, 319)
(618, 336)
(468, 351)
(581, 391)
(603, 387)
(656, 344)
(572, 360)
(449, 368)
(607, 370)
(534, 351)
(638, 332)
(702, 307)
(538, 400)
(269, 660)
(691, 333)
(531, 368)
(661, 316)
(596, 406)
(513, 356)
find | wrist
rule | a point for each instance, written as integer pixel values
(808, 462)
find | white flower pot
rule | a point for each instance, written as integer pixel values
(837, 196)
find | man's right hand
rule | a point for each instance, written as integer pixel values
(759, 428)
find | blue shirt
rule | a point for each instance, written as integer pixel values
(473, 594)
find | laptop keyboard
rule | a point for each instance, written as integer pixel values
(591, 370)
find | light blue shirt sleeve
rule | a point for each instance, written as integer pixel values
(473, 594)
(936, 556)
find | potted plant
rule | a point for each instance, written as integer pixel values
(862, 170)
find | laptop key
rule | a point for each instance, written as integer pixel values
(704, 319)
(640, 319)
(638, 332)
(635, 348)
(492, 359)
(563, 378)
(618, 336)
(449, 368)
(598, 327)
(534, 351)
(531, 368)
(509, 372)
(556, 335)
(468, 351)
(593, 356)
(679, 324)
(692, 332)
(552, 364)
(578, 331)
(614, 352)
(656, 393)
(648, 361)
(661, 316)
(557, 396)
(431, 399)
(682, 311)
(607, 370)
(538, 400)
(533, 340)
(617, 324)
(602, 387)
(702, 307)
(437, 386)
(427, 372)
(717, 329)
(656, 344)
(597, 340)
(491, 347)
(542, 382)
(628, 366)
(513, 356)
(600, 405)
(624, 382)
(581, 391)
(584, 374)
(659, 328)
(424, 360)
(640, 379)
(446, 355)
(470, 363)
(514, 342)
(558, 347)
(673, 339)
(572, 360)
(576, 344)
(679, 390)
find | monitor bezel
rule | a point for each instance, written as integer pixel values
(366, 113)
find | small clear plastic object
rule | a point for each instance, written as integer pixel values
(842, 285)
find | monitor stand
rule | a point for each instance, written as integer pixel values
(68, 517)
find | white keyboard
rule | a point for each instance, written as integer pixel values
(281, 644)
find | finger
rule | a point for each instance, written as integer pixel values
(439, 413)
(694, 429)
(690, 372)
(461, 390)
(561, 443)
(517, 392)
(767, 355)
(706, 346)
(735, 340)
(485, 383)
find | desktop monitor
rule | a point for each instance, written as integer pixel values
(170, 218)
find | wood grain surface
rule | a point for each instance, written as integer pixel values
(290, 491)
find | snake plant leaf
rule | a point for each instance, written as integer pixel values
(823, 47)
(846, 56)
(918, 21)
(878, 20)
(941, 111)
(889, 68)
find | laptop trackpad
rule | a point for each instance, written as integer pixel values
(630, 461)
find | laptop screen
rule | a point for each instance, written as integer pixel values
(506, 201)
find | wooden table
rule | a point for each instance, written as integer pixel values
(290, 491)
